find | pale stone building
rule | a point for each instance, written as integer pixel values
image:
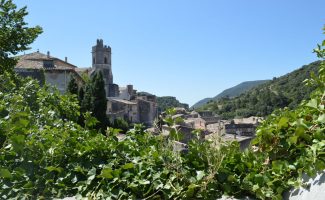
(53, 70)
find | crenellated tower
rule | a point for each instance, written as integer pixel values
(101, 61)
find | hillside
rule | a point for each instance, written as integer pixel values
(231, 92)
(285, 91)
(169, 102)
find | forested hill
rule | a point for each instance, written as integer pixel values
(169, 102)
(285, 91)
(231, 92)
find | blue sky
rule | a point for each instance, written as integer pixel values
(190, 49)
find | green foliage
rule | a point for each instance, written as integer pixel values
(285, 91)
(98, 100)
(120, 123)
(73, 86)
(167, 102)
(92, 98)
(15, 36)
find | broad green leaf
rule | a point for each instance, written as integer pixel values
(107, 173)
(128, 166)
(92, 171)
(190, 190)
(199, 175)
(300, 131)
(28, 185)
(5, 173)
(321, 118)
(144, 182)
(74, 180)
(90, 178)
(283, 122)
(18, 142)
(255, 187)
(312, 103)
(293, 139)
(52, 168)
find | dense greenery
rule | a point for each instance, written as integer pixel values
(230, 92)
(44, 154)
(91, 98)
(15, 36)
(286, 91)
(167, 102)
(73, 86)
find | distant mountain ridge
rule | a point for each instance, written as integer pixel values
(231, 92)
(285, 91)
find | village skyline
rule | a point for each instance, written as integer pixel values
(199, 48)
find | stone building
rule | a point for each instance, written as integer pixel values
(209, 117)
(123, 102)
(131, 107)
(101, 61)
(45, 67)
(240, 129)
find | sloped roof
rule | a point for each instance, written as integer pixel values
(35, 61)
(122, 101)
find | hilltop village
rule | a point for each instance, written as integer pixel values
(126, 103)
(208, 126)
(122, 102)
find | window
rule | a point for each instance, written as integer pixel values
(94, 60)
(105, 60)
(48, 63)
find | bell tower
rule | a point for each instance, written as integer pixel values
(101, 61)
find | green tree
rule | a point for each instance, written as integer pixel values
(73, 86)
(15, 36)
(99, 102)
(121, 124)
(86, 100)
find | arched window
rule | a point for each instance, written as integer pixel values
(94, 60)
(105, 60)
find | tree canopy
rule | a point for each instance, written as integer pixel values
(15, 35)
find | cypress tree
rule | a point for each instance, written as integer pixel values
(99, 102)
(86, 103)
(73, 86)
(81, 95)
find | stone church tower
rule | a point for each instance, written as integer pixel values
(101, 55)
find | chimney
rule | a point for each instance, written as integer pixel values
(66, 59)
(48, 54)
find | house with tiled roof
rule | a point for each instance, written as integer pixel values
(44, 67)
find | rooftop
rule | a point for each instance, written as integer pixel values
(36, 61)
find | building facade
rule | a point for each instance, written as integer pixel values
(48, 69)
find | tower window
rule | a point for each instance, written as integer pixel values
(105, 60)
(94, 60)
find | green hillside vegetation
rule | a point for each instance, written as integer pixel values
(167, 102)
(231, 92)
(286, 91)
(44, 154)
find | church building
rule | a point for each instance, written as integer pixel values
(122, 102)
